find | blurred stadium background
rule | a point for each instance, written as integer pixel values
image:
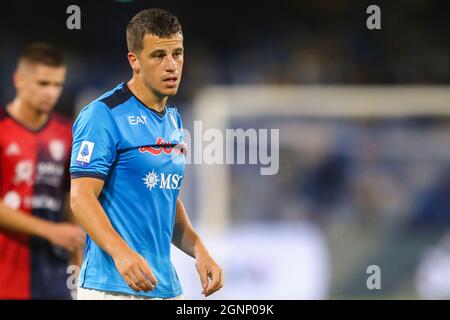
(364, 119)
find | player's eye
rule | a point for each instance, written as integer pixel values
(177, 54)
(43, 83)
(158, 55)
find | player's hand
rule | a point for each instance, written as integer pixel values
(211, 275)
(66, 235)
(135, 270)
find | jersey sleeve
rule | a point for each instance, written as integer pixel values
(94, 145)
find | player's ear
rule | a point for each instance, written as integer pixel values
(18, 78)
(134, 62)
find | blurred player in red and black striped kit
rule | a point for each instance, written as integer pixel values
(36, 237)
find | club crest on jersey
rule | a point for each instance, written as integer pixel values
(164, 146)
(57, 149)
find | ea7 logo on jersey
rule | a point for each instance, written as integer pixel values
(171, 181)
(85, 153)
(134, 120)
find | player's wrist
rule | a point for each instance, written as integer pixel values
(45, 229)
(199, 249)
(118, 250)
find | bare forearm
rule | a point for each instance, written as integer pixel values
(187, 240)
(91, 216)
(76, 258)
(18, 221)
(190, 243)
(184, 236)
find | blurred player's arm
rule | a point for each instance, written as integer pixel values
(65, 235)
(89, 213)
(76, 258)
(187, 240)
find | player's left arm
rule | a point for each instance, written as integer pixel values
(187, 240)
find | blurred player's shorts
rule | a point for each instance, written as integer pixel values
(92, 294)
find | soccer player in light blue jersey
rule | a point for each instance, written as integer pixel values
(127, 168)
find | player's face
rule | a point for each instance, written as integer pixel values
(40, 86)
(161, 64)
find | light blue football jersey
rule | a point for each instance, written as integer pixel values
(139, 153)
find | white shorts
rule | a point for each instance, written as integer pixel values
(92, 294)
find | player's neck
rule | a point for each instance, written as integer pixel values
(26, 115)
(145, 95)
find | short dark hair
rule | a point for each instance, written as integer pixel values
(155, 21)
(42, 53)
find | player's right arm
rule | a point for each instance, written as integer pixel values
(90, 215)
(66, 235)
(94, 148)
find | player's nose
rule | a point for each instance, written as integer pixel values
(170, 65)
(53, 91)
